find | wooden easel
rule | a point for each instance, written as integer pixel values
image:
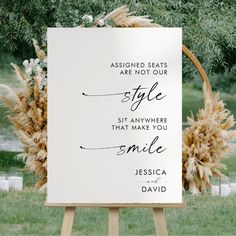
(113, 216)
(158, 209)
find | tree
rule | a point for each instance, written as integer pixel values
(21, 21)
(209, 27)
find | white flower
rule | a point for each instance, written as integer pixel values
(100, 22)
(36, 61)
(34, 67)
(25, 63)
(28, 71)
(87, 18)
(58, 25)
(38, 69)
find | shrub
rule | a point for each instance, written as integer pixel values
(225, 81)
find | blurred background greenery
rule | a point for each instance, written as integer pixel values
(209, 28)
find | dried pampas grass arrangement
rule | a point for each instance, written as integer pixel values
(29, 113)
(204, 143)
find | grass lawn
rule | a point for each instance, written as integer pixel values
(24, 214)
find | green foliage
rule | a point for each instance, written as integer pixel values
(223, 81)
(209, 27)
(21, 21)
(70, 13)
(209, 31)
(7, 160)
(231, 165)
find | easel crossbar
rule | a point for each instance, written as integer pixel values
(117, 205)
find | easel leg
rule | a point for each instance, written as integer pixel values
(68, 220)
(113, 222)
(160, 221)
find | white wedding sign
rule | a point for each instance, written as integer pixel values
(114, 115)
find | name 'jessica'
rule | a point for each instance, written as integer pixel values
(150, 172)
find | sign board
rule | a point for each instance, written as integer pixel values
(114, 115)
